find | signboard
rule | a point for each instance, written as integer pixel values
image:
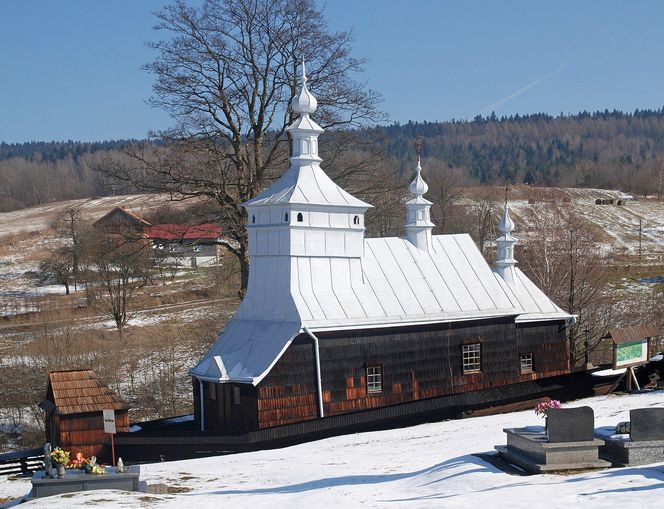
(109, 421)
(630, 353)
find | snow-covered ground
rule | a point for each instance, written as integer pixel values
(431, 465)
(37, 219)
(27, 235)
(619, 224)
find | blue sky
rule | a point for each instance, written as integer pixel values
(71, 69)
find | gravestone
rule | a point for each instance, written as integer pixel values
(570, 424)
(646, 424)
(76, 480)
(568, 444)
(643, 445)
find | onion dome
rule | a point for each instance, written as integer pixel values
(506, 224)
(418, 187)
(304, 102)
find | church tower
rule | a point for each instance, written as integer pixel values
(418, 223)
(505, 261)
(304, 214)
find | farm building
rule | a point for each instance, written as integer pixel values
(172, 244)
(121, 221)
(176, 243)
(73, 405)
(335, 323)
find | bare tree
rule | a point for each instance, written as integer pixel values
(57, 267)
(69, 225)
(445, 191)
(121, 267)
(225, 73)
(484, 210)
(563, 258)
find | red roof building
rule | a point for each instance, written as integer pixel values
(207, 231)
(181, 244)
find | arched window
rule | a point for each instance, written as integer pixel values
(356, 220)
(286, 217)
(253, 218)
(300, 217)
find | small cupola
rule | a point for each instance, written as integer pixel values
(304, 102)
(304, 131)
(505, 261)
(305, 213)
(418, 223)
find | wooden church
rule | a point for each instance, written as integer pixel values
(335, 323)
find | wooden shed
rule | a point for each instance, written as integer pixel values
(74, 403)
(121, 221)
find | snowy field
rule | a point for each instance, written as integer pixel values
(430, 465)
(619, 224)
(27, 236)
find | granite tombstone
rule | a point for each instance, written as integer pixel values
(571, 424)
(646, 424)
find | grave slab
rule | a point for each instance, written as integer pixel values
(642, 446)
(567, 444)
(75, 480)
(530, 449)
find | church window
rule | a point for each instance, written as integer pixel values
(374, 379)
(472, 358)
(236, 394)
(300, 217)
(356, 220)
(253, 218)
(212, 391)
(286, 217)
(526, 363)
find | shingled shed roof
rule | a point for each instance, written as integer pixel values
(633, 333)
(120, 214)
(184, 231)
(80, 391)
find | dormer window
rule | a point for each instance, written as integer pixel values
(300, 217)
(356, 220)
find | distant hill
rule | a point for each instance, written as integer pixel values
(57, 150)
(609, 149)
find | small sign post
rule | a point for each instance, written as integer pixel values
(109, 427)
(628, 354)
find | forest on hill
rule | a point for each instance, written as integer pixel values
(608, 149)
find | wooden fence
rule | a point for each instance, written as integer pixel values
(22, 462)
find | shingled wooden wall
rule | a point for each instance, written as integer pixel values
(418, 362)
(84, 433)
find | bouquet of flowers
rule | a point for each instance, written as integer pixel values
(542, 408)
(97, 470)
(59, 456)
(79, 461)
